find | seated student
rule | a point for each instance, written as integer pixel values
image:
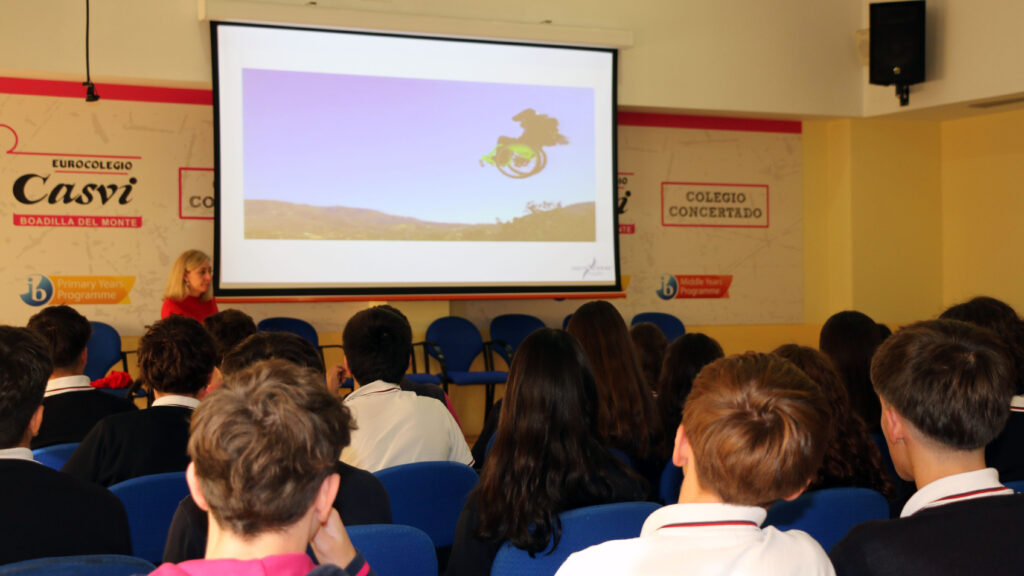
(264, 447)
(43, 512)
(72, 405)
(754, 430)
(361, 497)
(392, 426)
(945, 388)
(176, 359)
(547, 457)
(1006, 452)
(229, 328)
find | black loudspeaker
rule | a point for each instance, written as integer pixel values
(897, 43)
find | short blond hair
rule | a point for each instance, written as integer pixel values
(758, 427)
(189, 260)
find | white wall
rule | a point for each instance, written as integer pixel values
(787, 57)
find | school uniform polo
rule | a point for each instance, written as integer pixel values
(397, 427)
(704, 539)
(132, 444)
(71, 407)
(962, 524)
(45, 513)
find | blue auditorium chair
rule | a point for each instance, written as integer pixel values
(455, 342)
(295, 326)
(669, 325)
(671, 481)
(89, 565)
(104, 351)
(429, 496)
(581, 528)
(827, 515)
(509, 330)
(394, 549)
(150, 502)
(54, 456)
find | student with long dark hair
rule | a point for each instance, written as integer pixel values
(627, 418)
(683, 361)
(852, 458)
(849, 339)
(547, 457)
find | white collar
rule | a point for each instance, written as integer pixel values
(375, 387)
(17, 453)
(1017, 404)
(956, 488)
(175, 400)
(674, 517)
(64, 384)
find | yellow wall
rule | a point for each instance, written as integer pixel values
(982, 204)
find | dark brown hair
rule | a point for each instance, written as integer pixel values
(267, 345)
(1000, 318)
(228, 328)
(378, 345)
(65, 331)
(683, 361)
(263, 442)
(627, 418)
(952, 380)
(649, 344)
(852, 458)
(177, 356)
(758, 427)
(24, 369)
(849, 339)
(547, 456)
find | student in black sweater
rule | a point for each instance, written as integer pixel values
(945, 389)
(72, 405)
(176, 359)
(361, 498)
(43, 512)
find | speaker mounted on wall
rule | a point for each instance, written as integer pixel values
(897, 46)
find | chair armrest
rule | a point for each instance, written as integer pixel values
(491, 346)
(124, 358)
(431, 348)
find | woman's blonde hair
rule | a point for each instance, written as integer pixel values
(189, 260)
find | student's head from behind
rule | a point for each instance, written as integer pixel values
(999, 317)
(268, 345)
(756, 427)
(177, 356)
(66, 332)
(649, 343)
(228, 328)
(265, 446)
(25, 367)
(952, 382)
(378, 345)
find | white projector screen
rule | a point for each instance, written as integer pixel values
(356, 163)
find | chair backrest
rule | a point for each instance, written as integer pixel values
(459, 340)
(581, 528)
(54, 456)
(513, 329)
(293, 325)
(671, 481)
(104, 350)
(429, 496)
(1017, 485)
(827, 515)
(669, 325)
(150, 502)
(395, 550)
(565, 321)
(90, 565)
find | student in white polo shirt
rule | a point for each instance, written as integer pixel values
(945, 388)
(754, 430)
(392, 426)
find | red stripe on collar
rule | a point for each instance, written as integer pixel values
(975, 493)
(703, 524)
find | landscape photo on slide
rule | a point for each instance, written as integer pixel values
(348, 157)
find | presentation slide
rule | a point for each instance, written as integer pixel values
(366, 163)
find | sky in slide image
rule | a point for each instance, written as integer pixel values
(405, 146)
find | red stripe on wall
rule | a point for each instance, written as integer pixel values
(67, 89)
(709, 123)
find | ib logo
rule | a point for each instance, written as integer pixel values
(40, 290)
(669, 288)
